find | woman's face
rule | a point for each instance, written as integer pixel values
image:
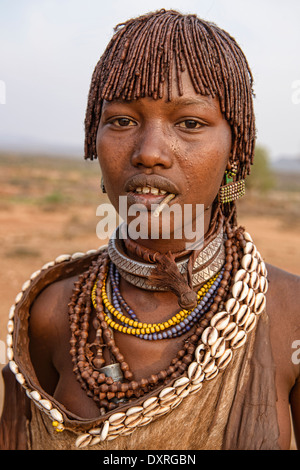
(180, 146)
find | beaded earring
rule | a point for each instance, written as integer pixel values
(102, 186)
(232, 189)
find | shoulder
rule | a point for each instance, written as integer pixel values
(284, 294)
(48, 313)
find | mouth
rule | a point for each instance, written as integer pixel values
(149, 189)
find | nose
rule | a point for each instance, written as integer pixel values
(152, 149)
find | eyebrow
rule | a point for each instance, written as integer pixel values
(181, 101)
(178, 101)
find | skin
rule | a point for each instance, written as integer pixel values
(155, 137)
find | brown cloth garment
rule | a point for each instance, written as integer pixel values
(236, 410)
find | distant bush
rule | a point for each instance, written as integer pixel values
(261, 178)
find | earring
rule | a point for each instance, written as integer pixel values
(102, 186)
(232, 189)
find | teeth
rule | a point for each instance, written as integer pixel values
(154, 191)
(147, 190)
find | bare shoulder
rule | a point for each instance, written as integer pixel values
(284, 296)
(48, 312)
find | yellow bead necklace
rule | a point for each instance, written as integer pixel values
(134, 327)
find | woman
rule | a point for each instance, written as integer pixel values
(149, 344)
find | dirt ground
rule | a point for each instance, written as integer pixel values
(31, 235)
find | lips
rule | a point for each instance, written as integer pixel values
(149, 189)
(140, 183)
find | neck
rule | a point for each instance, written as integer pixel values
(182, 240)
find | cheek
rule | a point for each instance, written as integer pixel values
(206, 170)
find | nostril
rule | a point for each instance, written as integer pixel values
(150, 160)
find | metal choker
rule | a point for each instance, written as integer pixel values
(208, 263)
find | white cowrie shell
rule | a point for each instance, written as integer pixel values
(209, 367)
(240, 290)
(95, 440)
(206, 359)
(13, 367)
(242, 315)
(209, 335)
(18, 297)
(263, 284)
(95, 431)
(199, 353)
(250, 323)
(247, 237)
(62, 258)
(77, 255)
(56, 415)
(212, 374)
(135, 410)
(132, 421)
(20, 378)
(104, 431)
(263, 269)
(35, 395)
(47, 265)
(220, 320)
(46, 404)
(9, 340)
(250, 297)
(230, 331)
(183, 381)
(150, 402)
(218, 348)
(83, 440)
(254, 280)
(35, 274)
(146, 420)
(194, 371)
(232, 306)
(249, 263)
(239, 339)
(166, 392)
(10, 354)
(10, 326)
(242, 275)
(194, 388)
(260, 303)
(26, 285)
(250, 249)
(91, 252)
(224, 360)
(117, 418)
(11, 312)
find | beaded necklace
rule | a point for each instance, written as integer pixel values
(87, 357)
(174, 327)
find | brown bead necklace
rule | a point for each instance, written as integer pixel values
(88, 359)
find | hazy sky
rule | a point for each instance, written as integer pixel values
(48, 50)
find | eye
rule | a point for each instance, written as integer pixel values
(190, 124)
(123, 122)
